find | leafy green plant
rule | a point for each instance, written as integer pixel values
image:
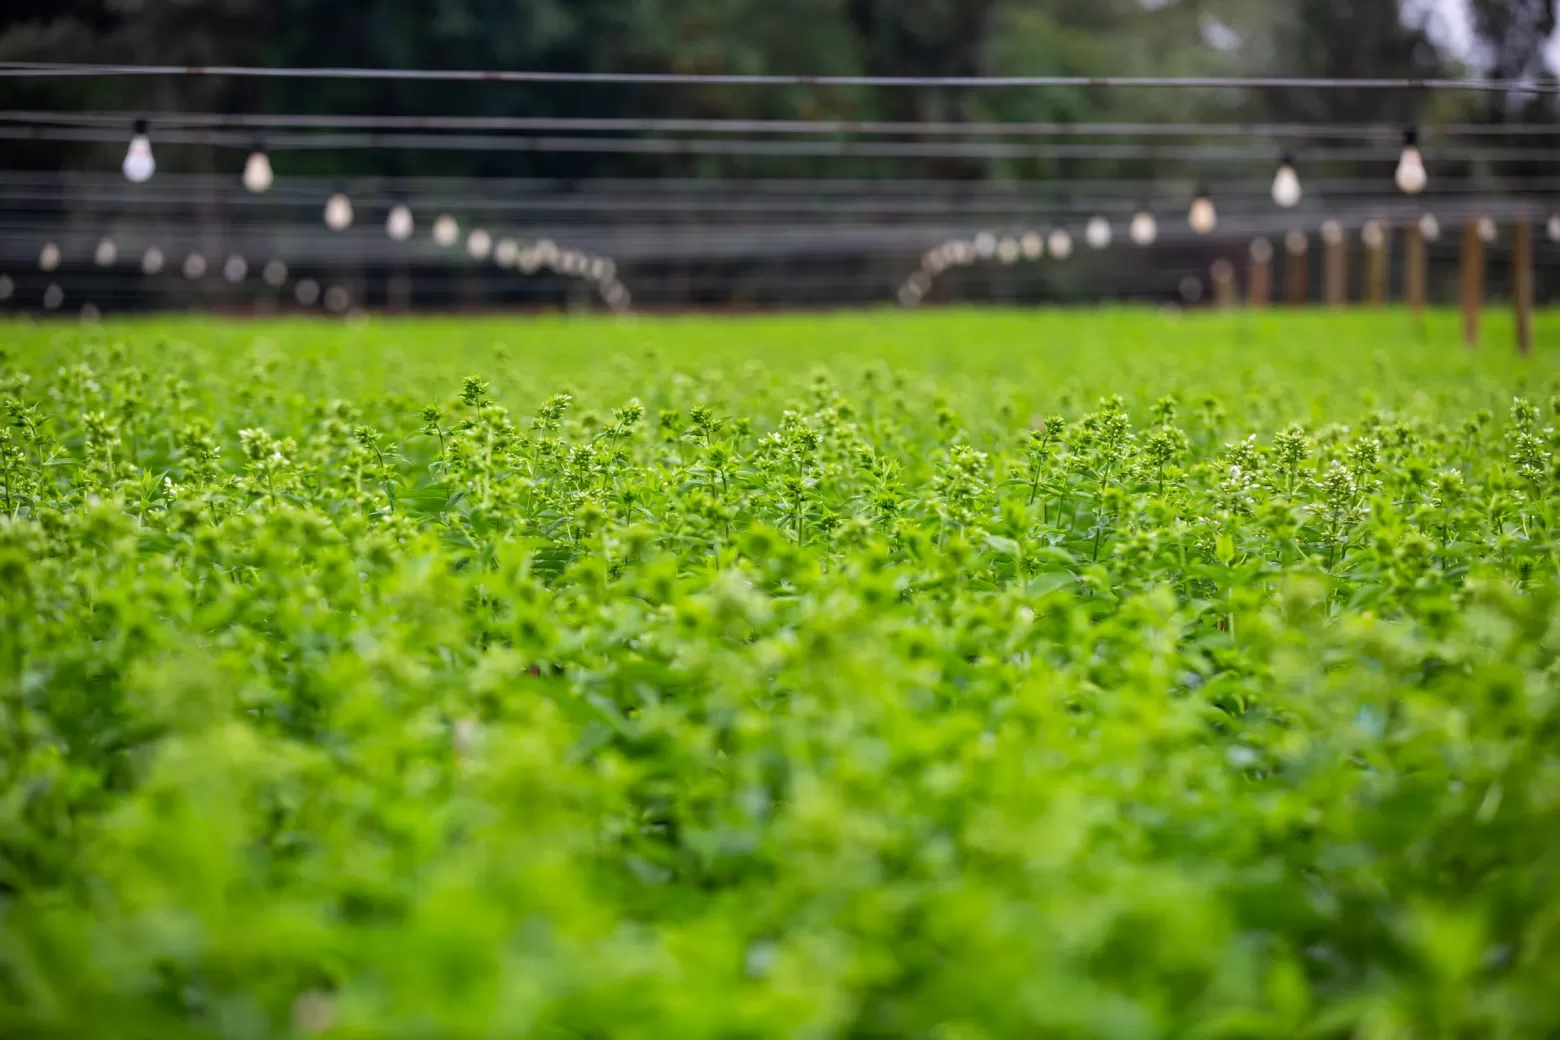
(819, 687)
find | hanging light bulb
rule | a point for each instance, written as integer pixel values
(445, 230)
(257, 171)
(1203, 217)
(275, 274)
(506, 252)
(1286, 183)
(48, 257)
(1487, 230)
(1411, 166)
(1554, 228)
(1060, 244)
(1144, 228)
(139, 165)
(1097, 233)
(399, 224)
(1032, 245)
(1008, 250)
(152, 260)
(1373, 234)
(985, 244)
(1429, 227)
(338, 212)
(106, 253)
(479, 244)
(1332, 232)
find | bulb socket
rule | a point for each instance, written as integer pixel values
(138, 127)
(1411, 137)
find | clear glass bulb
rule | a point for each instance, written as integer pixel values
(479, 244)
(257, 172)
(1286, 187)
(399, 224)
(1060, 244)
(1411, 171)
(1144, 228)
(139, 165)
(1097, 233)
(1203, 217)
(1429, 227)
(445, 230)
(338, 212)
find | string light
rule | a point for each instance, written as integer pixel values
(236, 269)
(1203, 217)
(528, 261)
(547, 252)
(1032, 245)
(48, 257)
(307, 292)
(445, 230)
(106, 253)
(506, 253)
(1008, 251)
(194, 267)
(1487, 229)
(1286, 184)
(338, 212)
(139, 165)
(1411, 175)
(478, 244)
(257, 171)
(1097, 233)
(152, 260)
(1429, 227)
(1144, 228)
(985, 244)
(399, 224)
(274, 273)
(1060, 245)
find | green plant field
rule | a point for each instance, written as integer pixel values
(951, 675)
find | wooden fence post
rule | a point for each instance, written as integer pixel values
(1522, 284)
(1374, 235)
(1261, 277)
(1414, 267)
(1297, 245)
(1223, 275)
(1335, 270)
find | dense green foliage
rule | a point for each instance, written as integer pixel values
(946, 675)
